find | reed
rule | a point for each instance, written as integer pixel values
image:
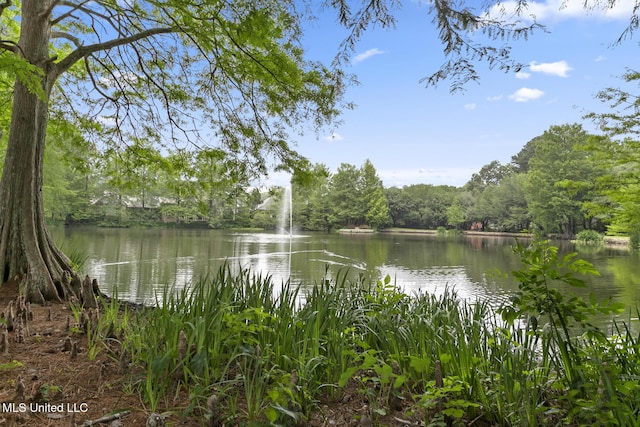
(268, 354)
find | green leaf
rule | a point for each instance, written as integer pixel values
(347, 375)
(419, 364)
(400, 381)
(380, 411)
(456, 413)
(271, 414)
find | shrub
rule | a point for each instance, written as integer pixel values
(589, 236)
(634, 241)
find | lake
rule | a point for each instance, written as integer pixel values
(139, 263)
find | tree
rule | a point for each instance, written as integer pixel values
(618, 201)
(622, 117)
(560, 180)
(311, 205)
(212, 180)
(344, 194)
(455, 214)
(503, 206)
(376, 208)
(66, 171)
(143, 67)
(490, 174)
(403, 209)
(436, 202)
(521, 160)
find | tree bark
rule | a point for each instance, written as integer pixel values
(27, 252)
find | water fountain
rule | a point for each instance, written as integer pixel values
(286, 213)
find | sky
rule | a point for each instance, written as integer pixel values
(418, 135)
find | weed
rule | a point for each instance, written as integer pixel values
(14, 364)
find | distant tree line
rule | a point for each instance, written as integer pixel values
(561, 182)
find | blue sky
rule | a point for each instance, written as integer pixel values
(414, 134)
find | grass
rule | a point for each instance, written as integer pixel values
(267, 356)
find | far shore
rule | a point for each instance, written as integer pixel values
(615, 241)
(395, 230)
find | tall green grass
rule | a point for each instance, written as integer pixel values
(269, 354)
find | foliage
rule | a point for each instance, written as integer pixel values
(376, 207)
(421, 205)
(617, 188)
(560, 326)
(357, 197)
(346, 204)
(621, 117)
(502, 206)
(311, 205)
(618, 152)
(589, 236)
(455, 214)
(489, 175)
(560, 180)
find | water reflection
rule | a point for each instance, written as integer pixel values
(139, 264)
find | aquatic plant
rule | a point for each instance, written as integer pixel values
(262, 354)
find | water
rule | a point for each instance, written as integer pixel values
(285, 218)
(139, 263)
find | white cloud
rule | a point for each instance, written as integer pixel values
(554, 10)
(558, 68)
(335, 136)
(494, 98)
(522, 75)
(470, 107)
(109, 80)
(525, 94)
(106, 121)
(368, 54)
(600, 58)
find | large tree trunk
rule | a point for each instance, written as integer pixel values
(27, 252)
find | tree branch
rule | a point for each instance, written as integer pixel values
(73, 7)
(92, 14)
(49, 11)
(4, 5)
(9, 45)
(94, 83)
(84, 51)
(60, 35)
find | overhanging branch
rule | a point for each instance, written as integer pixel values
(84, 51)
(60, 35)
(9, 45)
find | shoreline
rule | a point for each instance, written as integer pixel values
(463, 232)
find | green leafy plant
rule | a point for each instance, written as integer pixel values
(14, 364)
(445, 404)
(590, 237)
(556, 321)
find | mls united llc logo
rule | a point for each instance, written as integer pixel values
(44, 407)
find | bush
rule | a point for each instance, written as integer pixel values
(634, 241)
(589, 236)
